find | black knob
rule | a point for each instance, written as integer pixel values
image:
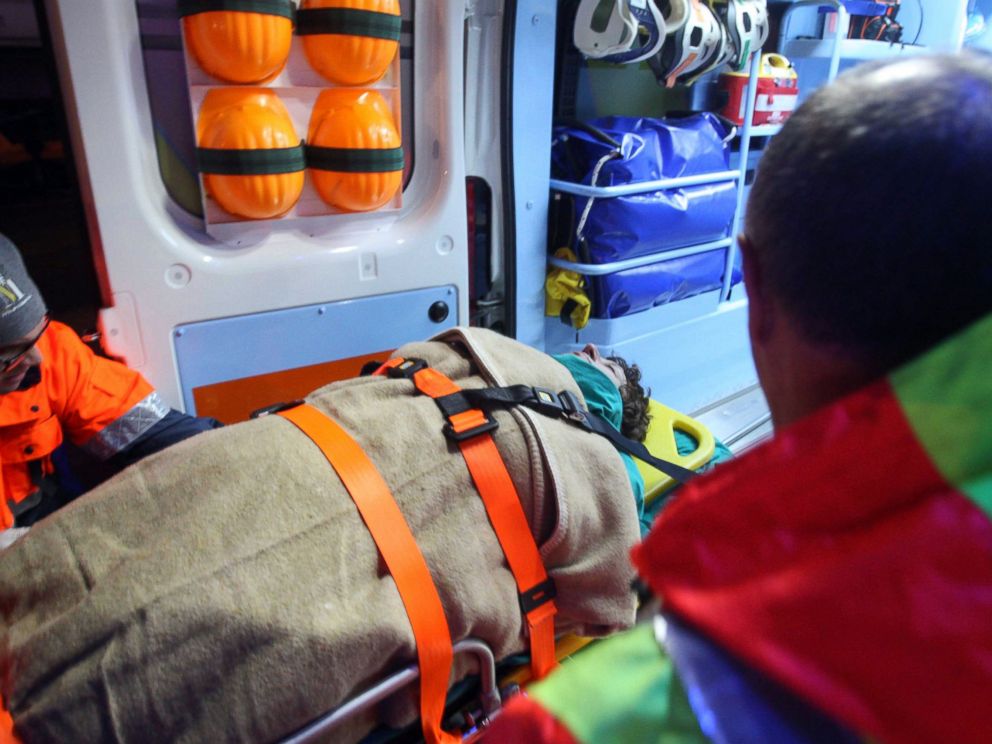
(438, 312)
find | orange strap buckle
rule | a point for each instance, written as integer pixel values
(472, 429)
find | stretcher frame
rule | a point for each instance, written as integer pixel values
(489, 697)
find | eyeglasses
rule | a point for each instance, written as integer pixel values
(9, 362)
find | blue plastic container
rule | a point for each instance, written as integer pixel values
(653, 222)
(864, 7)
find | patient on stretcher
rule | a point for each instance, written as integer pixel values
(228, 589)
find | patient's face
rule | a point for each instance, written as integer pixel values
(608, 367)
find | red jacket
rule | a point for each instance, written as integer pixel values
(100, 404)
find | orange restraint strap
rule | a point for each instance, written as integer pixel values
(7, 735)
(400, 552)
(470, 428)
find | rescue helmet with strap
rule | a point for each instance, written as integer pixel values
(690, 47)
(238, 41)
(350, 42)
(354, 149)
(618, 31)
(747, 24)
(249, 152)
(675, 13)
(722, 53)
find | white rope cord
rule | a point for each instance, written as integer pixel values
(595, 176)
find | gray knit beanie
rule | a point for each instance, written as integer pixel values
(21, 305)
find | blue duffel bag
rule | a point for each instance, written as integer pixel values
(619, 150)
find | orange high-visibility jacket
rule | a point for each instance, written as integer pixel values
(100, 404)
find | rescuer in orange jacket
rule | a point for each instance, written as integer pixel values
(53, 388)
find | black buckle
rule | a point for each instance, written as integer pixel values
(546, 401)
(572, 406)
(275, 408)
(406, 369)
(537, 595)
(455, 403)
(490, 424)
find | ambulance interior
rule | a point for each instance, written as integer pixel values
(100, 105)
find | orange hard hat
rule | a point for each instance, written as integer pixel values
(239, 46)
(249, 153)
(350, 42)
(354, 152)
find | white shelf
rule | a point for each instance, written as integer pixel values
(849, 49)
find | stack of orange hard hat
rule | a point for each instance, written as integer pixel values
(354, 150)
(249, 153)
(350, 42)
(239, 41)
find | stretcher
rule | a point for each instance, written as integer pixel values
(495, 682)
(333, 660)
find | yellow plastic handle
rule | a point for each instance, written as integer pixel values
(776, 65)
(661, 443)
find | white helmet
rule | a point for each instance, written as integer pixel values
(619, 31)
(747, 24)
(722, 53)
(675, 13)
(689, 48)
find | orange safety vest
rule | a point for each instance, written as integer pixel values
(100, 404)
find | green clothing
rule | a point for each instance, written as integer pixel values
(603, 399)
(621, 689)
(684, 444)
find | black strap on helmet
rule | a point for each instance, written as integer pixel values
(229, 162)
(349, 22)
(355, 160)
(284, 8)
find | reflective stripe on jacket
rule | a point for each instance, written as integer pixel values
(100, 404)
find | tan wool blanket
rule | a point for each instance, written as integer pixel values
(227, 590)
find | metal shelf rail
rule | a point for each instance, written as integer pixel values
(840, 33)
(729, 242)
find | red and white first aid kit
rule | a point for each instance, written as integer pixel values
(777, 95)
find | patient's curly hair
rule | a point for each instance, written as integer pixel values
(635, 402)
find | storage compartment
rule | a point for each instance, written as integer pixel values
(656, 212)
